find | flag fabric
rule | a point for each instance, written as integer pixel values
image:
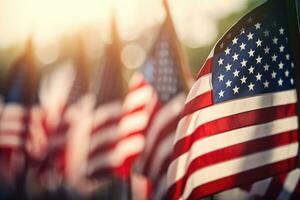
(109, 88)
(162, 78)
(53, 166)
(19, 97)
(239, 123)
(282, 187)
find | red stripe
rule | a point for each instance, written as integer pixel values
(199, 102)
(206, 69)
(242, 178)
(232, 152)
(168, 129)
(109, 146)
(110, 122)
(233, 122)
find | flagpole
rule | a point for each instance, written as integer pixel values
(293, 22)
(184, 67)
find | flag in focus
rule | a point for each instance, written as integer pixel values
(239, 123)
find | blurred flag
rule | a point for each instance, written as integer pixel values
(53, 169)
(161, 90)
(20, 95)
(239, 123)
(108, 87)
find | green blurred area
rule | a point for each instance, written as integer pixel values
(197, 56)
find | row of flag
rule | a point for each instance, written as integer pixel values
(237, 127)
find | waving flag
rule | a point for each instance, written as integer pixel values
(19, 97)
(239, 123)
(53, 168)
(109, 89)
(282, 187)
(164, 83)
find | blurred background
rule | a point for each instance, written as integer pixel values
(52, 24)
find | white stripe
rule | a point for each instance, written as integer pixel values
(238, 165)
(168, 112)
(105, 135)
(202, 85)
(163, 151)
(179, 165)
(138, 98)
(290, 184)
(189, 123)
(133, 122)
(10, 140)
(117, 156)
(260, 188)
(106, 112)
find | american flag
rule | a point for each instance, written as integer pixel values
(163, 78)
(109, 88)
(19, 96)
(239, 123)
(54, 166)
(282, 187)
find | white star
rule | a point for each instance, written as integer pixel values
(273, 74)
(292, 65)
(236, 73)
(242, 46)
(280, 65)
(257, 26)
(267, 50)
(280, 82)
(274, 40)
(243, 79)
(250, 36)
(292, 81)
(286, 73)
(228, 67)
(235, 90)
(228, 83)
(242, 30)
(251, 86)
(227, 51)
(266, 84)
(235, 56)
(251, 70)
(221, 77)
(258, 59)
(258, 77)
(234, 41)
(281, 48)
(281, 30)
(287, 56)
(221, 93)
(266, 33)
(251, 53)
(266, 67)
(243, 63)
(258, 43)
(220, 61)
(274, 58)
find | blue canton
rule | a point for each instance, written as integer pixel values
(255, 59)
